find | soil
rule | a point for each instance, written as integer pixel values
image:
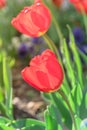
(27, 101)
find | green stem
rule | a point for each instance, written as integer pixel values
(55, 21)
(3, 110)
(70, 108)
(51, 44)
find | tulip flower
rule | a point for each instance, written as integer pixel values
(44, 72)
(74, 1)
(33, 20)
(58, 3)
(80, 5)
(2, 3)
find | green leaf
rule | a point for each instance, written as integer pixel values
(83, 106)
(72, 103)
(59, 127)
(6, 128)
(7, 79)
(51, 123)
(24, 123)
(84, 56)
(1, 95)
(4, 121)
(4, 124)
(76, 56)
(68, 63)
(77, 94)
(62, 108)
(55, 113)
(86, 100)
(35, 127)
(78, 122)
(65, 86)
(1, 70)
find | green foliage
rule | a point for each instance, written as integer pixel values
(23, 124)
(6, 14)
(5, 85)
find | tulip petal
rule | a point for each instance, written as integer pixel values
(33, 78)
(40, 15)
(33, 20)
(44, 73)
(44, 81)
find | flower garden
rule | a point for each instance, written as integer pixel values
(43, 65)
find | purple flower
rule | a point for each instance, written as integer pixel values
(23, 50)
(79, 35)
(37, 40)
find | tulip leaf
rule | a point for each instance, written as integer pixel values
(86, 100)
(72, 102)
(78, 122)
(62, 108)
(66, 89)
(24, 123)
(7, 80)
(51, 123)
(1, 77)
(59, 127)
(35, 127)
(55, 114)
(6, 128)
(84, 56)
(4, 121)
(68, 63)
(77, 95)
(76, 56)
(1, 95)
(83, 106)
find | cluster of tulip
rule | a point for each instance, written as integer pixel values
(45, 73)
(34, 21)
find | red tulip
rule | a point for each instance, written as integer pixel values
(58, 3)
(2, 3)
(80, 5)
(74, 1)
(33, 20)
(44, 73)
